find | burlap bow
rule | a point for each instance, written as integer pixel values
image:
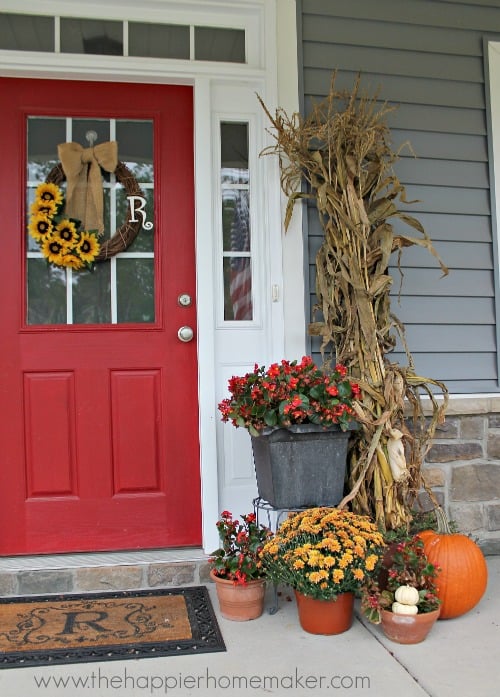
(84, 192)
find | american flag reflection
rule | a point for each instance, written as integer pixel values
(240, 283)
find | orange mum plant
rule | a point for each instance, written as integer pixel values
(321, 552)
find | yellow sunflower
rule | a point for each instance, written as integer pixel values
(40, 227)
(67, 231)
(72, 261)
(88, 247)
(49, 192)
(47, 208)
(52, 250)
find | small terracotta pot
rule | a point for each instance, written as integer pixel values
(408, 629)
(240, 602)
(325, 616)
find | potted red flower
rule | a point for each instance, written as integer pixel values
(236, 567)
(290, 393)
(299, 417)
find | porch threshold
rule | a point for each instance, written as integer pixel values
(97, 571)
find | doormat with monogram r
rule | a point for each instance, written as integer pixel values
(54, 629)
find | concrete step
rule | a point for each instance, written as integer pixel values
(101, 571)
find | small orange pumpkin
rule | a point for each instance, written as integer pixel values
(463, 573)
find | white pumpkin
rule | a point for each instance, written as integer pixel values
(407, 595)
(400, 609)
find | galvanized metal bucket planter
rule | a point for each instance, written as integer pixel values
(302, 465)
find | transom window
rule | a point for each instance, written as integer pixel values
(24, 32)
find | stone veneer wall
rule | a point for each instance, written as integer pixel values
(120, 577)
(463, 469)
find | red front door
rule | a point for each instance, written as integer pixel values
(98, 396)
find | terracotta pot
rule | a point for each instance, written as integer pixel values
(408, 629)
(325, 616)
(240, 602)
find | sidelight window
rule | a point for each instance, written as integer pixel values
(236, 233)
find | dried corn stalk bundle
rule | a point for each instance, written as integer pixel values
(342, 153)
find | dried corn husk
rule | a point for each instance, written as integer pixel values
(341, 154)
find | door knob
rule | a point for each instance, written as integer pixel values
(185, 334)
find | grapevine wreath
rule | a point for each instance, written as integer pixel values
(59, 234)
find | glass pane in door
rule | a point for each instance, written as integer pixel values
(112, 291)
(46, 293)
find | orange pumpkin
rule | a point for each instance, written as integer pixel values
(425, 534)
(463, 573)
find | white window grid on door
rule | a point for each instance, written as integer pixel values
(111, 186)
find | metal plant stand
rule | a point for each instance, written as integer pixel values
(273, 518)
